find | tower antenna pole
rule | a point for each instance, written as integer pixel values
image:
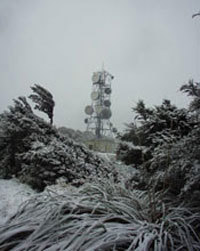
(99, 111)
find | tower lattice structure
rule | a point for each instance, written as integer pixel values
(99, 112)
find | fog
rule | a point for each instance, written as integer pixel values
(151, 48)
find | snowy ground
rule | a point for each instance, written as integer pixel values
(111, 157)
(12, 194)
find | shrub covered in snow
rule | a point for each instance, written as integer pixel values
(131, 154)
(35, 152)
(171, 137)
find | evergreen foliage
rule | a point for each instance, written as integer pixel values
(165, 148)
(192, 89)
(153, 127)
(44, 100)
(171, 170)
(35, 152)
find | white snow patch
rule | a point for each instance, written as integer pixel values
(108, 157)
(12, 195)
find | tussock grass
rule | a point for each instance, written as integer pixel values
(100, 216)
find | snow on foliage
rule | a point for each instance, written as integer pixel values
(168, 140)
(43, 100)
(100, 216)
(170, 173)
(35, 152)
(132, 154)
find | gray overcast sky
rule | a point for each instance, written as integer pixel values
(151, 47)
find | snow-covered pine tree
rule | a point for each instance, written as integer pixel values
(14, 127)
(142, 112)
(44, 100)
(151, 128)
(192, 89)
(172, 136)
(35, 152)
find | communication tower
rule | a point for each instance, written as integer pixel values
(99, 112)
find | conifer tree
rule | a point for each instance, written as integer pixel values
(192, 89)
(44, 100)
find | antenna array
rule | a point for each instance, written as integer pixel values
(99, 111)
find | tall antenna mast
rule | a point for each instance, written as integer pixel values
(99, 111)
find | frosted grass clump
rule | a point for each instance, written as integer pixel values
(98, 217)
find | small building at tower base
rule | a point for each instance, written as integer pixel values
(104, 145)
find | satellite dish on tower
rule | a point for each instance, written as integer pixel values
(98, 109)
(106, 113)
(108, 90)
(94, 95)
(89, 110)
(107, 103)
(96, 77)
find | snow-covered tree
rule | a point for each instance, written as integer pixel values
(164, 147)
(14, 127)
(192, 89)
(44, 100)
(153, 127)
(142, 112)
(35, 152)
